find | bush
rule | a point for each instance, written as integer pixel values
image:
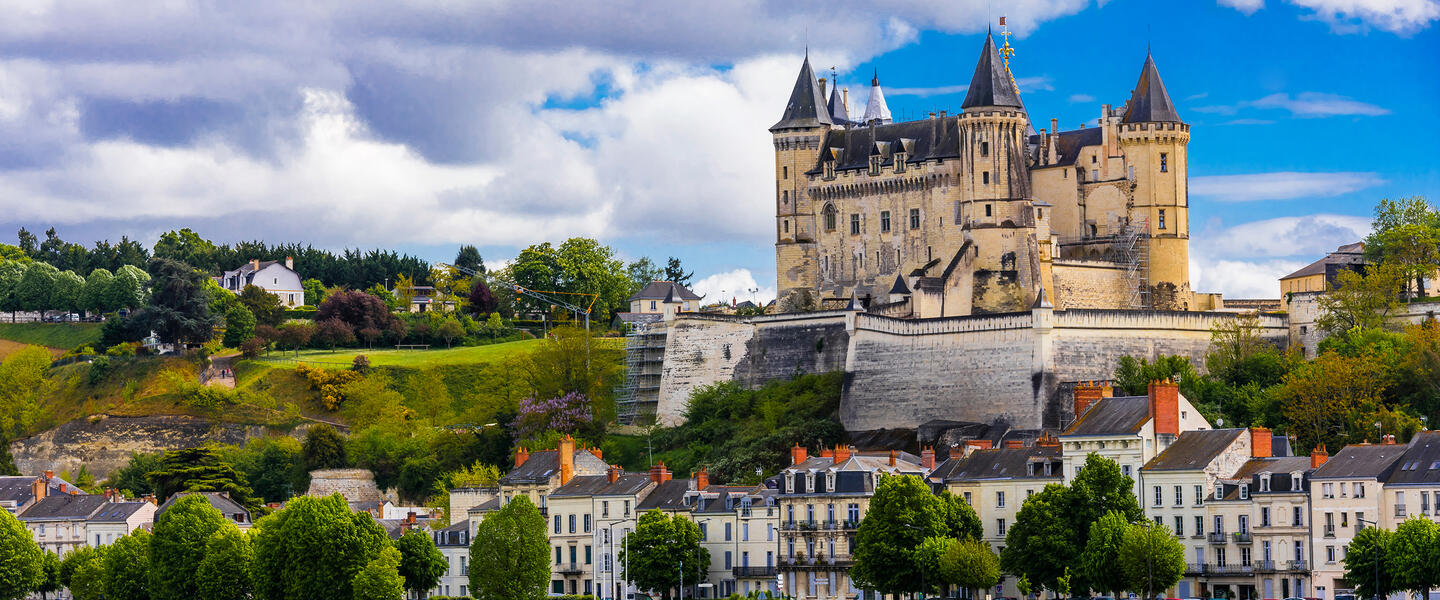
(361, 364)
(99, 368)
(252, 347)
(122, 349)
(328, 383)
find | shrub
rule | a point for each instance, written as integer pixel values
(328, 383)
(361, 364)
(99, 368)
(122, 349)
(252, 347)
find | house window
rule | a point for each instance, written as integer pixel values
(727, 531)
(1327, 490)
(985, 177)
(914, 218)
(854, 224)
(1264, 516)
(1219, 491)
(1330, 554)
(587, 523)
(588, 559)
(884, 221)
(1162, 218)
(1298, 519)
(704, 532)
(1359, 490)
(557, 523)
(1125, 469)
(1219, 524)
(1000, 526)
(830, 216)
(1244, 491)
(1179, 526)
(1164, 162)
(744, 532)
(1179, 495)
(604, 509)
(1244, 523)
(652, 305)
(1199, 525)
(1093, 160)
(999, 499)
(572, 523)
(1159, 496)
(853, 512)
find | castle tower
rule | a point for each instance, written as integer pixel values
(1154, 141)
(876, 111)
(797, 138)
(996, 212)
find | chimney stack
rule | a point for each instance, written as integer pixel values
(598, 453)
(1087, 393)
(702, 479)
(842, 453)
(1165, 407)
(927, 458)
(613, 473)
(1047, 440)
(521, 455)
(49, 475)
(1260, 441)
(290, 263)
(38, 488)
(567, 459)
(797, 455)
(659, 474)
(1014, 443)
(892, 458)
(827, 453)
(254, 264)
(1055, 125)
(1318, 456)
(410, 517)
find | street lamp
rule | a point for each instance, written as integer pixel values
(625, 544)
(1377, 551)
(923, 585)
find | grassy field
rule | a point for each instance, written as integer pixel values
(8, 347)
(65, 336)
(390, 357)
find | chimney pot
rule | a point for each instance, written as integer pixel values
(842, 453)
(598, 453)
(566, 449)
(1165, 407)
(1014, 443)
(1260, 442)
(290, 263)
(1318, 456)
(892, 458)
(702, 479)
(613, 473)
(49, 475)
(521, 455)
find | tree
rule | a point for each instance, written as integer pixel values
(1100, 561)
(314, 291)
(296, 334)
(642, 271)
(50, 576)
(224, 573)
(482, 302)
(1041, 544)
(421, 563)
(1151, 558)
(357, 309)
(179, 310)
(266, 307)
(1099, 489)
(1406, 234)
(510, 554)
(21, 561)
(127, 567)
(970, 564)
(178, 546)
(902, 515)
(1370, 564)
(129, 289)
(404, 290)
(676, 273)
(1133, 375)
(23, 386)
(573, 361)
(469, 258)
(36, 291)
(239, 326)
(449, 330)
(380, 579)
(333, 332)
(95, 297)
(200, 469)
(134, 477)
(663, 549)
(68, 294)
(188, 247)
(1233, 342)
(323, 449)
(83, 572)
(11, 272)
(1363, 301)
(1325, 398)
(961, 522)
(314, 548)
(1416, 549)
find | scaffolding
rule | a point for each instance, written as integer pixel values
(638, 395)
(1133, 249)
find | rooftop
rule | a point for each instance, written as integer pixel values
(1113, 416)
(1004, 463)
(1421, 461)
(1364, 461)
(1193, 450)
(63, 507)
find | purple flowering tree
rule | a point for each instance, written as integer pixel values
(570, 414)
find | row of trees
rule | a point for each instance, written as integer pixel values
(27, 285)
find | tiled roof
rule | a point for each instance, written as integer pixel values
(1005, 463)
(544, 464)
(18, 489)
(63, 507)
(1113, 416)
(599, 485)
(1193, 450)
(1360, 461)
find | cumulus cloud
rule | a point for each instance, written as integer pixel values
(1245, 6)
(1302, 105)
(737, 284)
(1351, 16)
(1078, 98)
(1247, 260)
(1282, 185)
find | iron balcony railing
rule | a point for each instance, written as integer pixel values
(1216, 537)
(753, 571)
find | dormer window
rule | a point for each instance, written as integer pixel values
(829, 169)
(794, 483)
(810, 481)
(1264, 482)
(875, 165)
(1219, 491)
(899, 162)
(829, 481)
(1244, 491)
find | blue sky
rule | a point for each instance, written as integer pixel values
(425, 126)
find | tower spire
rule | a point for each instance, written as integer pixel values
(839, 113)
(991, 85)
(1150, 103)
(876, 110)
(806, 107)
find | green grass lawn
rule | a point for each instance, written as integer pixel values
(390, 357)
(64, 336)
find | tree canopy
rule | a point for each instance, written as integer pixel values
(510, 554)
(903, 514)
(421, 563)
(313, 548)
(21, 561)
(662, 550)
(178, 546)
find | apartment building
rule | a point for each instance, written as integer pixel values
(538, 474)
(1345, 495)
(616, 513)
(1130, 430)
(1279, 502)
(454, 543)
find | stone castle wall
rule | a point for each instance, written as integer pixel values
(1090, 284)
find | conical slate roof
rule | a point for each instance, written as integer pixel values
(875, 109)
(1150, 103)
(807, 103)
(838, 113)
(991, 84)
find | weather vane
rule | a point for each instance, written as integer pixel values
(1007, 51)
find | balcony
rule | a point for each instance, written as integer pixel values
(1241, 537)
(1229, 570)
(1399, 511)
(1329, 531)
(1265, 566)
(831, 525)
(1216, 537)
(753, 571)
(1194, 569)
(788, 525)
(569, 568)
(1298, 565)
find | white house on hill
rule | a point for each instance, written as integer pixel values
(271, 276)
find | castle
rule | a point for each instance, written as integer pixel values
(976, 213)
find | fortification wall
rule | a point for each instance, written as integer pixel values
(1089, 284)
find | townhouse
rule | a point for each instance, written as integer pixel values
(1345, 495)
(58, 522)
(537, 474)
(18, 492)
(574, 535)
(738, 525)
(1279, 503)
(616, 509)
(1131, 430)
(454, 543)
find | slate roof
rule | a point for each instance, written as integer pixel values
(660, 290)
(1274, 464)
(991, 85)
(17, 489)
(839, 114)
(63, 507)
(599, 485)
(900, 286)
(1004, 463)
(1360, 461)
(1421, 461)
(666, 496)
(1068, 145)
(1193, 450)
(1346, 255)
(806, 107)
(712, 499)
(117, 512)
(1150, 102)
(544, 464)
(219, 500)
(1113, 416)
(875, 108)
(922, 140)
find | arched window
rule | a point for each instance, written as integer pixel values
(785, 196)
(830, 214)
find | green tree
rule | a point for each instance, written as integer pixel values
(642, 271)
(129, 289)
(314, 291)
(469, 258)
(127, 567)
(225, 573)
(662, 550)
(178, 546)
(1099, 489)
(421, 563)
(69, 293)
(1100, 561)
(510, 554)
(961, 521)
(22, 564)
(380, 579)
(1370, 564)
(36, 291)
(134, 477)
(95, 297)
(264, 305)
(1133, 375)
(1041, 544)
(239, 326)
(86, 572)
(180, 305)
(1326, 398)
(201, 469)
(1406, 233)
(11, 272)
(188, 247)
(313, 548)
(677, 273)
(324, 448)
(970, 564)
(903, 513)
(23, 385)
(1151, 558)
(1416, 548)
(449, 330)
(50, 576)
(1363, 301)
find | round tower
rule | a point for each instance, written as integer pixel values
(1154, 141)
(798, 137)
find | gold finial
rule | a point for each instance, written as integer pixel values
(1007, 51)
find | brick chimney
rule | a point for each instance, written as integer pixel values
(521, 455)
(702, 479)
(1047, 440)
(254, 264)
(1388, 439)
(1087, 393)
(39, 488)
(659, 474)
(842, 453)
(958, 452)
(1318, 456)
(290, 263)
(1165, 406)
(1014, 443)
(1260, 440)
(892, 458)
(49, 475)
(978, 444)
(613, 473)
(598, 454)
(566, 450)
(797, 455)
(410, 517)
(827, 453)
(927, 457)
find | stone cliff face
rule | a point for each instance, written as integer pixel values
(104, 444)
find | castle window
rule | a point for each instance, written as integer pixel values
(830, 213)
(1162, 218)
(829, 169)
(884, 221)
(787, 226)
(854, 224)
(875, 165)
(987, 210)
(984, 148)
(1093, 160)
(914, 218)
(985, 178)
(786, 172)
(785, 197)
(1132, 172)
(1164, 162)
(899, 162)
(1095, 174)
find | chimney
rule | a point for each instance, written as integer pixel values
(1014, 443)
(521, 455)
(1087, 393)
(598, 454)
(254, 264)
(702, 479)
(1165, 407)
(842, 453)
(659, 474)
(38, 488)
(827, 453)
(290, 263)
(1318, 456)
(410, 517)
(959, 452)
(49, 475)
(927, 457)
(1389, 439)
(567, 459)
(1055, 125)
(797, 455)
(1047, 440)
(978, 444)
(892, 458)
(613, 473)
(1260, 440)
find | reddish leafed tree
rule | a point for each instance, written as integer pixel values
(333, 332)
(482, 302)
(356, 309)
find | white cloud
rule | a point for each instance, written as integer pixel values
(1079, 98)
(1282, 185)
(1239, 278)
(1245, 6)
(1403, 17)
(1247, 260)
(736, 284)
(1302, 105)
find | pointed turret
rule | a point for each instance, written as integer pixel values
(807, 103)
(1150, 103)
(839, 115)
(876, 112)
(991, 85)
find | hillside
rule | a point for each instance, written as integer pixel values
(390, 357)
(61, 336)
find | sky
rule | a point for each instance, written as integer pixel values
(427, 124)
